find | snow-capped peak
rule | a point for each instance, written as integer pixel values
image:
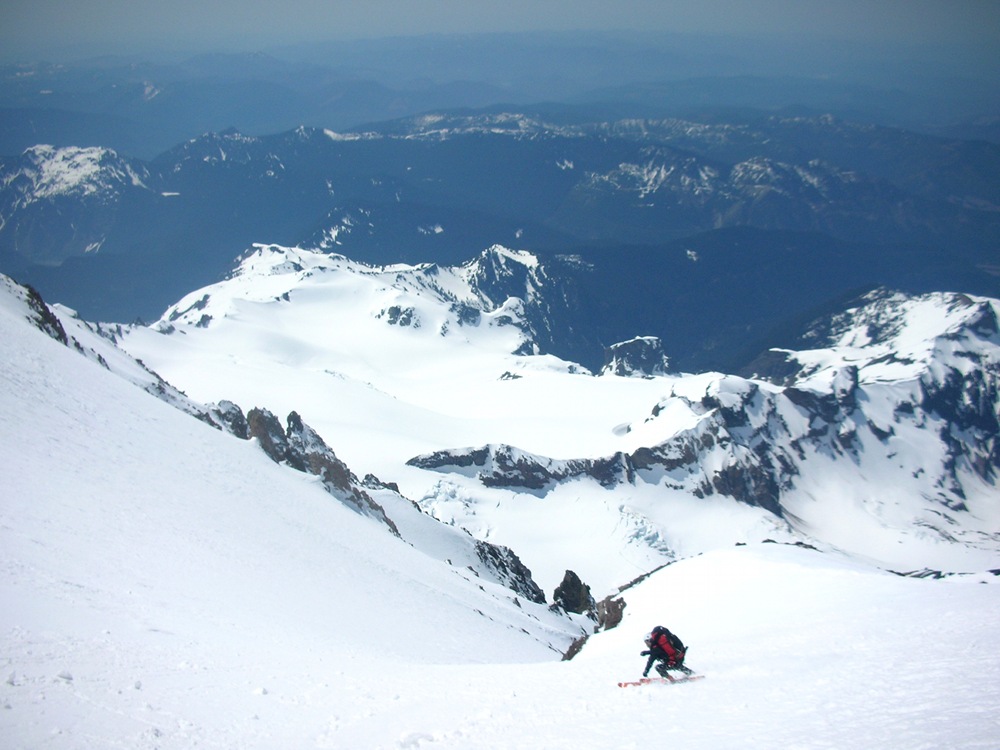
(47, 171)
(440, 301)
(890, 336)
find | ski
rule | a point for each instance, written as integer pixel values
(662, 680)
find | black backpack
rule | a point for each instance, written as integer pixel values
(676, 642)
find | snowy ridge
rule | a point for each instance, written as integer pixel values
(440, 126)
(96, 342)
(494, 292)
(47, 172)
(670, 172)
(671, 177)
(893, 337)
(684, 176)
(229, 145)
(507, 466)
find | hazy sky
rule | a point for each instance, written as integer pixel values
(33, 27)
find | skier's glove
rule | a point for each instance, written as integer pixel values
(643, 653)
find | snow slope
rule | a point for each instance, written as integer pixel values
(165, 585)
(134, 532)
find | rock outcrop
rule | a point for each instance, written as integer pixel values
(301, 448)
(574, 596)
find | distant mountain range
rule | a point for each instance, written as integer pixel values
(141, 106)
(692, 231)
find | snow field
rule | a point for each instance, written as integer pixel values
(800, 651)
(166, 586)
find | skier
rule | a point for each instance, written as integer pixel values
(665, 647)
